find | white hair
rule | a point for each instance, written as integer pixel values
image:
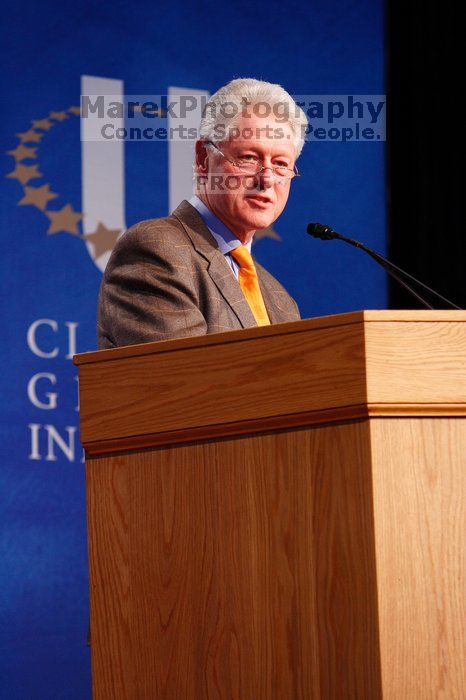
(244, 95)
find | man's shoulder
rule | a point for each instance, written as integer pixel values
(184, 227)
(150, 239)
(154, 230)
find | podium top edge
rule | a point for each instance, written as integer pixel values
(244, 334)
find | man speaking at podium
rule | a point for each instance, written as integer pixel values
(192, 273)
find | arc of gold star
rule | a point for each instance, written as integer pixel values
(64, 220)
(267, 233)
(58, 116)
(24, 173)
(159, 112)
(43, 124)
(38, 196)
(21, 152)
(31, 135)
(103, 239)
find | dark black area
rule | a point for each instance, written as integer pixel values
(426, 123)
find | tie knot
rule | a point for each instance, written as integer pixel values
(244, 258)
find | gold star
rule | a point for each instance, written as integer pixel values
(43, 124)
(24, 173)
(103, 239)
(266, 233)
(30, 135)
(65, 219)
(21, 152)
(38, 196)
(58, 116)
(75, 110)
(159, 112)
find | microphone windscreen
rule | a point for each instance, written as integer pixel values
(321, 231)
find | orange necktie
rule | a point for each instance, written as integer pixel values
(249, 283)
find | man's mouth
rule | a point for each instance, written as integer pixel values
(259, 200)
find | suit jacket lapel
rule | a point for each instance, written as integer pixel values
(280, 306)
(218, 268)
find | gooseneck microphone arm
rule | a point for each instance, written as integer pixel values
(325, 233)
(387, 265)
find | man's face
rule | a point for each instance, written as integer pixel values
(247, 203)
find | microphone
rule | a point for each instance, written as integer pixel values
(325, 233)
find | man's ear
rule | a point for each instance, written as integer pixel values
(201, 157)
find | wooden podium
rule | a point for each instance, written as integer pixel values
(279, 512)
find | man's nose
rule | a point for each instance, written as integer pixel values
(265, 178)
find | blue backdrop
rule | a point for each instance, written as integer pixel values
(50, 280)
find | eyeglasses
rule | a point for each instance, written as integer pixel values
(253, 166)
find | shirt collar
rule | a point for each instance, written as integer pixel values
(226, 239)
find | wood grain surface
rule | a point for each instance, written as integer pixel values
(419, 481)
(239, 569)
(350, 366)
(301, 554)
(423, 362)
(353, 317)
(248, 380)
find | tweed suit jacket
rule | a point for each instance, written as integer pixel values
(166, 278)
